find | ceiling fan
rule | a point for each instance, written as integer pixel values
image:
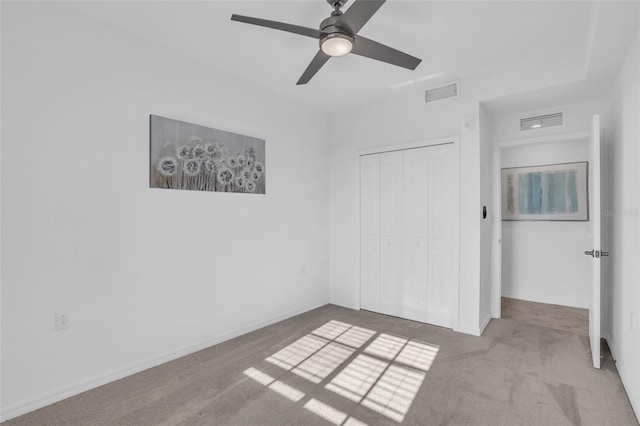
(338, 36)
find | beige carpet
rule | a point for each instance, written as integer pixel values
(344, 367)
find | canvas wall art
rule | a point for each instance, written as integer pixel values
(552, 192)
(192, 157)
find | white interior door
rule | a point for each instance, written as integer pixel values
(596, 250)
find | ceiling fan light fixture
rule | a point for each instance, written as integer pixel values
(336, 36)
(336, 44)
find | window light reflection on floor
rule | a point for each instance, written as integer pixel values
(393, 394)
(325, 411)
(321, 409)
(258, 376)
(384, 378)
(283, 389)
(353, 422)
(386, 346)
(355, 380)
(417, 355)
(297, 352)
(287, 391)
(355, 337)
(331, 330)
(323, 362)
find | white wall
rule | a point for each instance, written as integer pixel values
(486, 224)
(389, 122)
(624, 294)
(145, 274)
(544, 261)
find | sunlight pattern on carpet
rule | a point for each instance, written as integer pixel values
(355, 337)
(355, 380)
(393, 394)
(385, 376)
(386, 346)
(418, 355)
(331, 330)
(297, 352)
(325, 411)
(323, 362)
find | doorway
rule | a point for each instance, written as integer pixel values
(552, 251)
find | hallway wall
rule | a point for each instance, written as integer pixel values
(543, 261)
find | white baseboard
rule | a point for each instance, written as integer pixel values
(469, 330)
(484, 323)
(542, 299)
(624, 377)
(355, 306)
(606, 336)
(47, 398)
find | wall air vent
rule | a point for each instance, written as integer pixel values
(548, 120)
(446, 91)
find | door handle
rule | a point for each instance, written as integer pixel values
(596, 253)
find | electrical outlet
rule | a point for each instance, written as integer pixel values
(303, 270)
(62, 321)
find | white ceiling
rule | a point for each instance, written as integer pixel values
(454, 39)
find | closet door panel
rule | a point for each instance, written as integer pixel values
(440, 254)
(391, 204)
(370, 232)
(415, 234)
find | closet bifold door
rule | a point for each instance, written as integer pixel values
(406, 233)
(414, 239)
(370, 232)
(391, 207)
(428, 235)
(440, 235)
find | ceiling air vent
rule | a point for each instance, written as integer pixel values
(447, 91)
(548, 120)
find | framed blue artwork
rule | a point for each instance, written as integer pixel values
(551, 192)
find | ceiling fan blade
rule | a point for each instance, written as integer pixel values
(359, 14)
(316, 63)
(282, 26)
(374, 50)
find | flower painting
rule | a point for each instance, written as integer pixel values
(192, 157)
(552, 192)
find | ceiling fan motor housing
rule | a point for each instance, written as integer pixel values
(330, 29)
